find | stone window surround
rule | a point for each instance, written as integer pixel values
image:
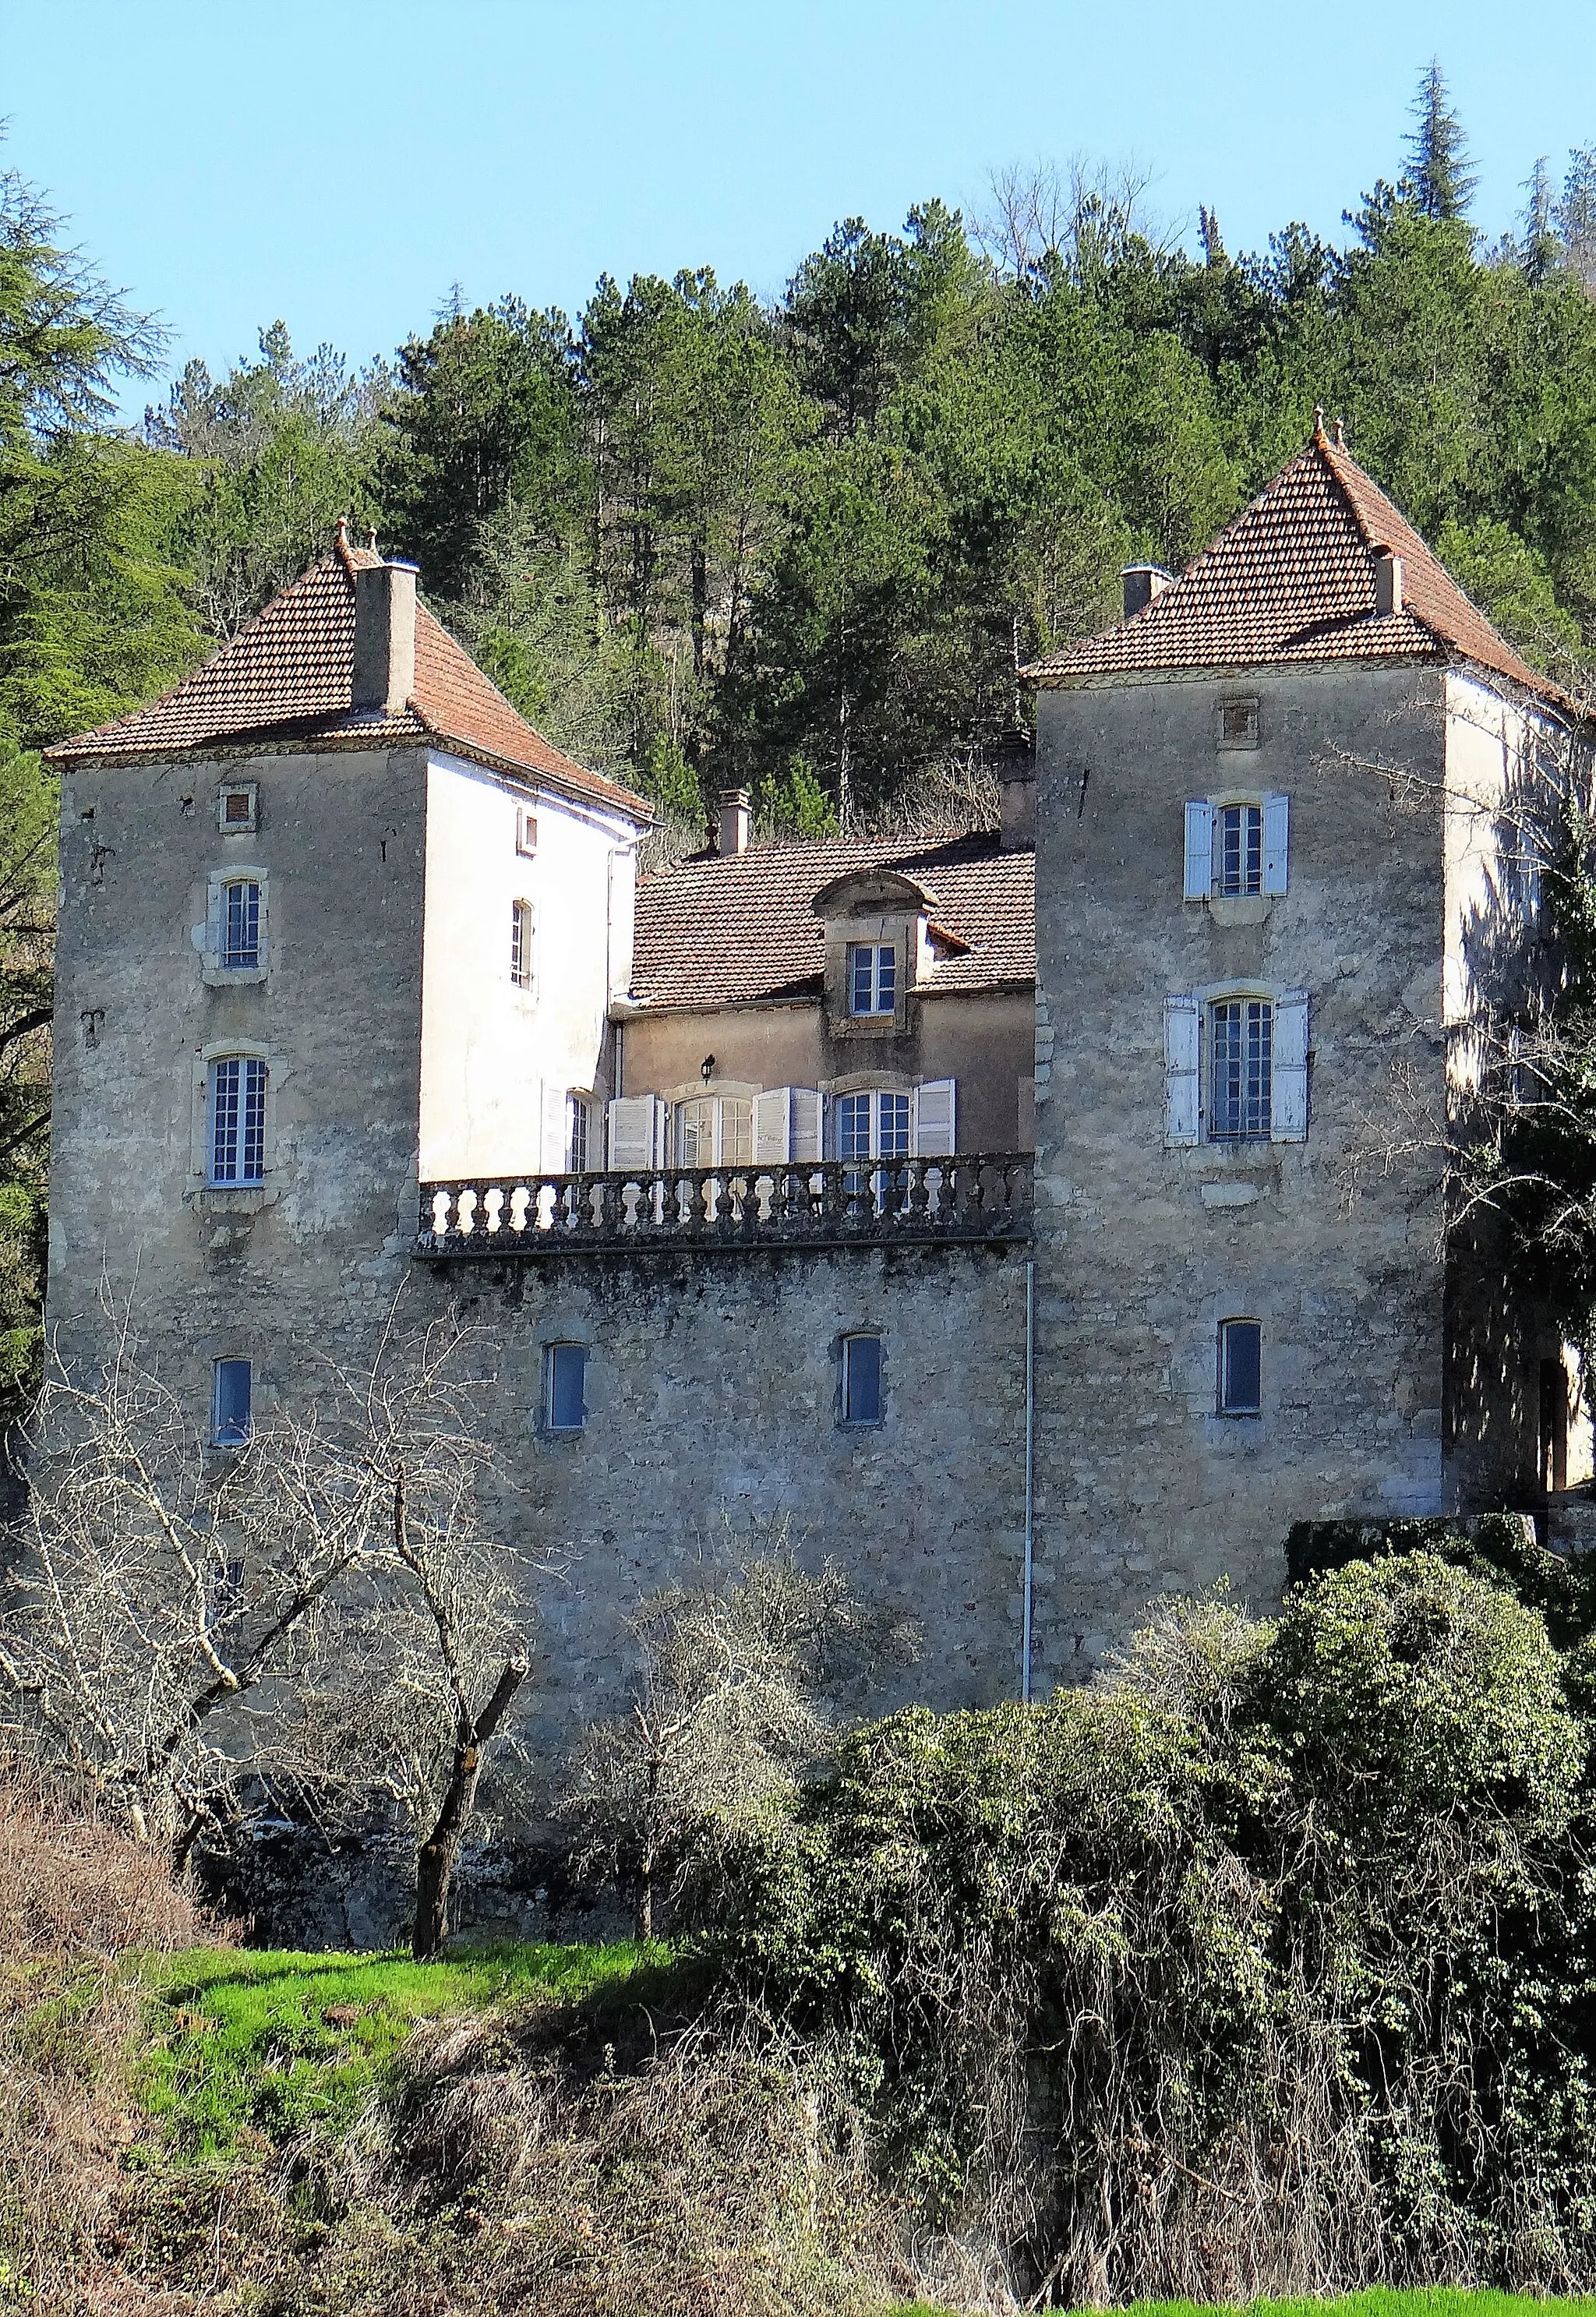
(246, 827)
(1226, 703)
(230, 1198)
(208, 938)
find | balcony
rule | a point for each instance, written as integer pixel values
(981, 1200)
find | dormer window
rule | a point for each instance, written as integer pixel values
(872, 978)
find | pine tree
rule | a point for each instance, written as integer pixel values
(1440, 180)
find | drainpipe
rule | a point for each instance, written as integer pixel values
(1031, 1428)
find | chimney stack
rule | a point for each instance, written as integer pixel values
(1388, 582)
(1013, 760)
(384, 639)
(1144, 585)
(731, 828)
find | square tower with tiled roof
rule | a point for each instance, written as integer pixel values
(1274, 856)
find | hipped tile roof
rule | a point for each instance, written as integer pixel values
(285, 682)
(1293, 579)
(740, 929)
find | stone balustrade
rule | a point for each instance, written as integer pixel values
(984, 1197)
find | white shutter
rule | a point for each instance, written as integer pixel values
(805, 1123)
(1288, 1068)
(773, 1126)
(637, 1131)
(930, 1133)
(1183, 1038)
(556, 1155)
(1277, 821)
(1200, 849)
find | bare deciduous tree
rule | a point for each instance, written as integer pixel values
(737, 1692)
(314, 1616)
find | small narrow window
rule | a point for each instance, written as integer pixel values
(565, 1382)
(862, 1378)
(526, 831)
(1238, 849)
(578, 1133)
(241, 926)
(238, 1120)
(230, 1398)
(1241, 1367)
(1241, 1070)
(236, 807)
(872, 978)
(520, 944)
(1238, 724)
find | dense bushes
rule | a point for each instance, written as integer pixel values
(1265, 1965)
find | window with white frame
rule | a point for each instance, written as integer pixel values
(714, 1130)
(240, 947)
(1240, 1367)
(872, 978)
(237, 1121)
(523, 931)
(579, 1132)
(526, 830)
(1237, 847)
(231, 1399)
(873, 1124)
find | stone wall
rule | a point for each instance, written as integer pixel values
(1142, 1249)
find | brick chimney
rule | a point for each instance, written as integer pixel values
(1013, 760)
(1388, 582)
(732, 824)
(1144, 585)
(384, 639)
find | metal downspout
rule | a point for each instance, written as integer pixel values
(1030, 1418)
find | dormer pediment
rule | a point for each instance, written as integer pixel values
(874, 892)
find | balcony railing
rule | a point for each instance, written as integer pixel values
(963, 1201)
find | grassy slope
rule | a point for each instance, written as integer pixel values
(249, 2048)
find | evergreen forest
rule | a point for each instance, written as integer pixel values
(801, 544)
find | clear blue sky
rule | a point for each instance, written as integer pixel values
(340, 163)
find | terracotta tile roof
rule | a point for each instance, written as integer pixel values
(1292, 579)
(286, 679)
(740, 929)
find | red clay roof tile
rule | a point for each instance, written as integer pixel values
(1293, 579)
(285, 681)
(740, 929)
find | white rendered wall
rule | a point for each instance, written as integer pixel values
(490, 1050)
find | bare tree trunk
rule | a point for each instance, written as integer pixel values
(436, 1864)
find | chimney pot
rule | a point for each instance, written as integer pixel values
(1144, 585)
(1388, 582)
(731, 829)
(384, 639)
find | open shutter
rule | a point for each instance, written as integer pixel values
(1277, 823)
(806, 1124)
(1289, 1083)
(773, 1126)
(637, 1131)
(557, 1152)
(931, 1126)
(1200, 849)
(1183, 1034)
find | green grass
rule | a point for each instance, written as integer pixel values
(1436, 2301)
(248, 2047)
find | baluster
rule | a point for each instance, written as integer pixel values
(441, 1202)
(466, 1209)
